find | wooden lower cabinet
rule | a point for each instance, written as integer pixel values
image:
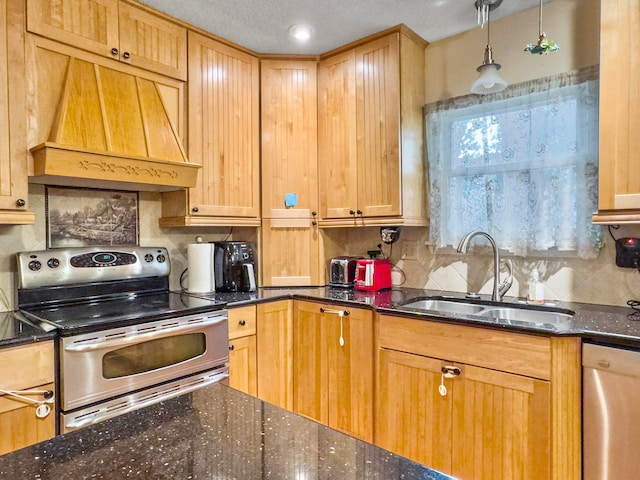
(333, 364)
(243, 349)
(275, 353)
(488, 424)
(28, 367)
(512, 410)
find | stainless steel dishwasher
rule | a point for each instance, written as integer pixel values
(611, 413)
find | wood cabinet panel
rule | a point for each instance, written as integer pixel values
(378, 127)
(337, 133)
(153, 43)
(619, 168)
(113, 29)
(88, 24)
(243, 368)
(275, 353)
(289, 137)
(333, 380)
(13, 154)
(413, 419)
(29, 367)
(519, 353)
(291, 253)
(499, 418)
(242, 364)
(242, 321)
(223, 138)
(501, 425)
(371, 158)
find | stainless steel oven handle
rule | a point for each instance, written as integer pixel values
(152, 401)
(138, 337)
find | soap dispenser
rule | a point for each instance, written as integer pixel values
(536, 288)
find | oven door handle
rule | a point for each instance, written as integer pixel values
(140, 337)
(170, 393)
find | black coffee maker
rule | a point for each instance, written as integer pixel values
(234, 267)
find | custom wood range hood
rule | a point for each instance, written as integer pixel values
(111, 129)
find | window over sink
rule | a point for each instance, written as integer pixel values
(521, 164)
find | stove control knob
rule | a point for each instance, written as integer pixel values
(148, 258)
(35, 265)
(161, 258)
(53, 262)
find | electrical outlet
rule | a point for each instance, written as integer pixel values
(409, 250)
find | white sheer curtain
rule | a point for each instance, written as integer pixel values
(521, 165)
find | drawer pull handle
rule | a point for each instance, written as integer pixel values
(242, 323)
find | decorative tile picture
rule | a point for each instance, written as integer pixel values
(79, 217)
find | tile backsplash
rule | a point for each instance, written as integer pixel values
(567, 279)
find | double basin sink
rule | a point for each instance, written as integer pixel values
(505, 312)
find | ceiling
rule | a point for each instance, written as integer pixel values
(262, 25)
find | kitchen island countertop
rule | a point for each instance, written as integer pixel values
(215, 432)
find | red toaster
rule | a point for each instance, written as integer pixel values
(373, 274)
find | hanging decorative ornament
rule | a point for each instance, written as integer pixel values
(544, 46)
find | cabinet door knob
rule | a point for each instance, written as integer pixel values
(351, 212)
(115, 51)
(314, 223)
(231, 347)
(126, 55)
(359, 212)
(242, 323)
(20, 202)
(314, 213)
(194, 209)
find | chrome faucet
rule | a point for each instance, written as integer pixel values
(498, 290)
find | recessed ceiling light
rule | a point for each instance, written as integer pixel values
(302, 33)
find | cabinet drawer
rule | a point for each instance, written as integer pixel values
(27, 366)
(505, 351)
(242, 321)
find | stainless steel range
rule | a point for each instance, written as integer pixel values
(125, 340)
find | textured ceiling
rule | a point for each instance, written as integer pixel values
(262, 25)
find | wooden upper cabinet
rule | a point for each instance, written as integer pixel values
(289, 138)
(377, 127)
(337, 134)
(619, 157)
(114, 29)
(13, 155)
(371, 153)
(291, 253)
(223, 137)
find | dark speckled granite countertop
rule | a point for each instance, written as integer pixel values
(213, 433)
(601, 323)
(15, 330)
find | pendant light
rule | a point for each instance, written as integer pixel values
(489, 80)
(543, 46)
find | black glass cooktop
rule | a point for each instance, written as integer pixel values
(77, 317)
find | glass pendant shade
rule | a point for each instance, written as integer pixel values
(489, 80)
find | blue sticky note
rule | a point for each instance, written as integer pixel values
(290, 199)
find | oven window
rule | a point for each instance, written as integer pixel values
(151, 355)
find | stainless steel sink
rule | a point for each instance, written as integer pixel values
(526, 315)
(510, 313)
(448, 306)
